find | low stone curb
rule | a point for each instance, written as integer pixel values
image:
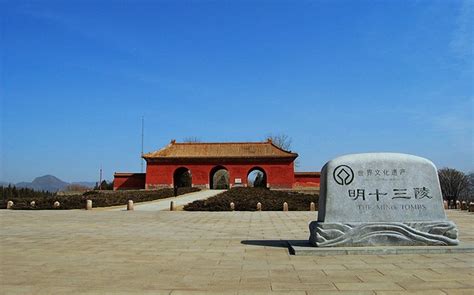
(303, 248)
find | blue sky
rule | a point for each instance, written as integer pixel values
(338, 77)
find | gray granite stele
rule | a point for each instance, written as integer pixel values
(381, 199)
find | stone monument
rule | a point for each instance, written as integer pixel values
(381, 199)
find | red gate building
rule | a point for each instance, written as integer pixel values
(218, 165)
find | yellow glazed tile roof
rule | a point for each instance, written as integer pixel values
(220, 150)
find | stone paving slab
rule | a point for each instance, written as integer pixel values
(103, 252)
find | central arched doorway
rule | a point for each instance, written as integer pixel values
(182, 177)
(257, 177)
(219, 178)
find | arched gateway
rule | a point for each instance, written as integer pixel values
(182, 177)
(214, 165)
(219, 178)
(257, 177)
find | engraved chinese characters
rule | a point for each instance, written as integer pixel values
(381, 199)
(397, 193)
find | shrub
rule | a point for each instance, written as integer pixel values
(245, 199)
(99, 198)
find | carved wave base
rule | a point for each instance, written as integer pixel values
(434, 233)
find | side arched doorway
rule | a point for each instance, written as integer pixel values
(257, 177)
(182, 177)
(219, 178)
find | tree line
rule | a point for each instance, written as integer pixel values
(12, 192)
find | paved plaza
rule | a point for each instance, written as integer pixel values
(97, 252)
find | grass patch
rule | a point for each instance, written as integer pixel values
(246, 199)
(99, 198)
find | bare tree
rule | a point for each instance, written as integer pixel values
(220, 179)
(281, 140)
(192, 139)
(259, 180)
(454, 184)
(470, 176)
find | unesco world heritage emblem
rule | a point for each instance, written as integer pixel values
(343, 175)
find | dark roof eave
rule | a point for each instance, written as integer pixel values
(128, 173)
(305, 173)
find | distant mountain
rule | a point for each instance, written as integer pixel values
(45, 183)
(48, 183)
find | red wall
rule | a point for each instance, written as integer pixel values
(279, 175)
(307, 179)
(123, 181)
